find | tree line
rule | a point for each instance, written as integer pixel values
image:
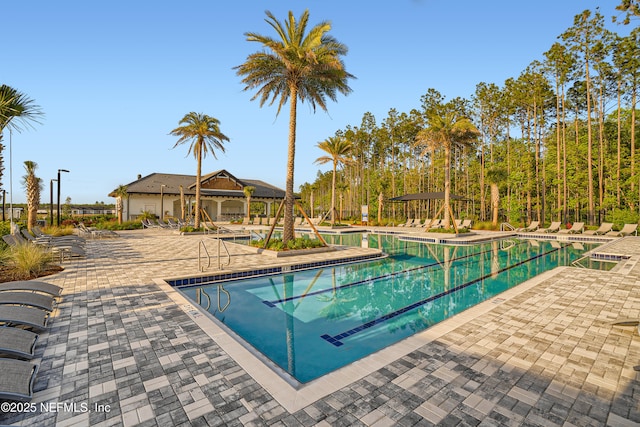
(558, 142)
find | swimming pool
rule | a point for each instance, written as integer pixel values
(312, 322)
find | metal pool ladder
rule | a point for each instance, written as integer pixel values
(200, 293)
(202, 247)
(505, 226)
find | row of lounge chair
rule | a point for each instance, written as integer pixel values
(298, 221)
(435, 223)
(95, 233)
(63, 246)
(25, 307)
(605, 229)
(170, 224)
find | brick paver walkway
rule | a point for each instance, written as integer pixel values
(121, 351)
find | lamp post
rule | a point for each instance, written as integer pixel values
(162, 202)
(59, 170)
(51, 204)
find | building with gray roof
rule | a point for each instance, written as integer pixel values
(222, 195)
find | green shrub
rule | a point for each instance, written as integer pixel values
(298, 243)
(58, 231)
(113, 225)
(28, 260)
(619, 217)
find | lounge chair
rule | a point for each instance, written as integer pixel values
(44, 302)
(15, 241)
(32, 286)
(576, 228)
(18, 342)
(416, 222)
(173, 224)
(435, 223)
(246, 220)
(553, 228)
(63, 249)
(297, 221)
(14, 315)
(467, 224)
(409, 223)
(425, 222)
(74, 248)
(627, 230)
(16, 379)
(67, 238)
(604, 228)
(162, 224)
(146, 223)
(533, 226)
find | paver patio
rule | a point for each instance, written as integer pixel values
(122, 351)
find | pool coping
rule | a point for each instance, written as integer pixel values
(294, 398)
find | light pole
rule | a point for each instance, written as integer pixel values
(51, 204)
(58, 219)
(162, 202)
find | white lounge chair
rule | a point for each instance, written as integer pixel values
(627, 230)
(604, 228)
(533, 226)
(576, 228)
(553, 228)
(409, 223)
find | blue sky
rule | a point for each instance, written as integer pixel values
(115, 77)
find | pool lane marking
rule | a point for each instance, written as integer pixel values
(273, 303)
(336, 340)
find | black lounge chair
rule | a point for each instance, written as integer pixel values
(16, 379)
(18, 342)
(13, 315)
(69, 238)
(32, 286)
(44, 302)
(72, 249)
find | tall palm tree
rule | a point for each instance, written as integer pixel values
(33, 186)
(295, 65)
(16, 112)
(204, 135)
(446, 128)
(339, 150)
(248, 192)
(121, 193)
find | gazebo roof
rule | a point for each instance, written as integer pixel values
(437, 195)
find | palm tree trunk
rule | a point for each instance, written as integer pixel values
(333, 195)
(447, 185)
(495, 203)
(291, 154)
(198, 179)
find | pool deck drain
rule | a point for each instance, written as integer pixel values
(543, 353)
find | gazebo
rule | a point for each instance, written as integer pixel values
(434, 195)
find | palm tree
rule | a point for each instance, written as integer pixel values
(339, 150)
(495, 176)
(33, 185)
(446, 128)
(203, 133)
(297, 64)
(16, 111)
(121, 193)
(248, 192)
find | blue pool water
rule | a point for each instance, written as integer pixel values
(312, 322)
